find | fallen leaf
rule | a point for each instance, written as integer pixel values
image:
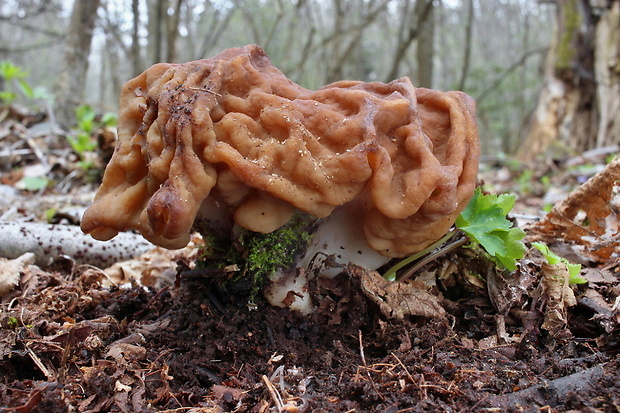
(228, 394)
(122, 352)
(559, 295)
(12, 270)
(395, 299)
(118, 386)
(587, 218)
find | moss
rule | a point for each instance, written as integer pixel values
(258, 256)
(268, 253)
(569, 25)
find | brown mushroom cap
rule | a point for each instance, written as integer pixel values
(234, 128)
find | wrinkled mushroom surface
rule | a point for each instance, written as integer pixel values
(233, 129)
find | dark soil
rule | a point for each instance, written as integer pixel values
(72, 345)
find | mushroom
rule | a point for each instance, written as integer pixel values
(231, 141)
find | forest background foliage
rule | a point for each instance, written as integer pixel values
(492, 50)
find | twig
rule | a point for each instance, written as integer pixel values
(37, 361)
(404, 367)
(34, 399)
(361, 347)
(390, 274)
(579, 382)
(204, 90)
(273, 392)
(442, 251)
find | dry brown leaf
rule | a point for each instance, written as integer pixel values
(587, 218)
(129, 348)
(396, 300)
(559, 295)
(226, 393)
(155, 267)
(12, 270)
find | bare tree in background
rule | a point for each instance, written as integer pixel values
(346, 34)
(469, 26)
(313, 42)
(414, 19)
(425, 52)
(580, 100)
(172, 30)
(136, 56)
(72, 80)
(214, 22)
(156, 25)
(164, 18)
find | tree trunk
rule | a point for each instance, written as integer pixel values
(156, 26)
(172, 32)
(136, 59)
(411, 29)
(425, 52)
(580, 98)
(607, 71)
(72, 80)
(469, 28)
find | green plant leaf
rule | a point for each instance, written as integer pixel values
(109, 119)
(7, 96)
(34, 183)
(9, 71)
(515, 249)
(484, 221)
(25, 88)
(554, 259)
(86, 165)
(82, 142)
(49, 214)
(85, 116)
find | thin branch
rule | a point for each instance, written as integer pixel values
(503, 76)
(404, 44)
(30, 47)
(469, 28)
(433, 256)
(36, 29)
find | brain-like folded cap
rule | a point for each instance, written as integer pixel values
(234, 129)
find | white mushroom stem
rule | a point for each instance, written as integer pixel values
(339, 235)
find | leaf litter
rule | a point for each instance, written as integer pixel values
(460, 335)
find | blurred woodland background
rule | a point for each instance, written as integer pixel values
(545, 74)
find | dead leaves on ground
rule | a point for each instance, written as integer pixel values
(46, 333)
(587, 221)
(396, 300)
(12, 270)
(585, 227)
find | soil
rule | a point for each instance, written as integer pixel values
(73, 345)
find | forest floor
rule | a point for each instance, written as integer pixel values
(76, 338)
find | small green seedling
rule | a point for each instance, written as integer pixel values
(484, 222)
(553, 259)
(34, 183)
(15, 79)
(50, 213)
(13, 76)
(83, 141)
(13, 322)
